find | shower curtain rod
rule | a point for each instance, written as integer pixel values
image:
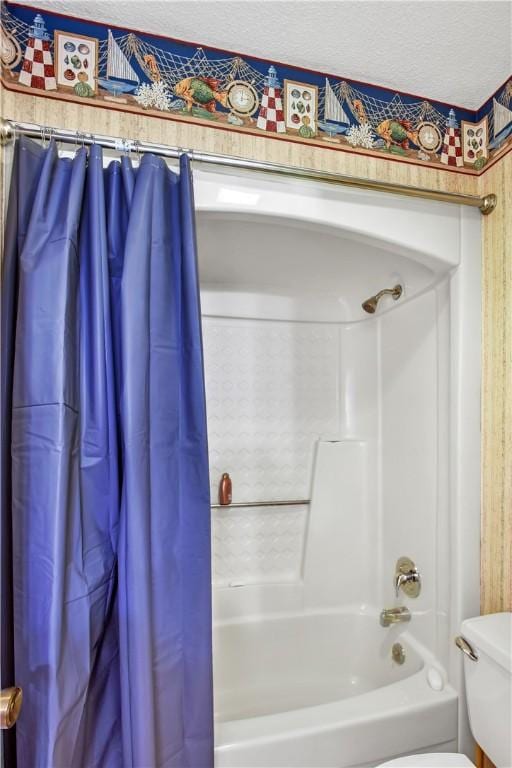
(10, 128)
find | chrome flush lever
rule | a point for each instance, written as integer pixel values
(466, 648)
(407, 577)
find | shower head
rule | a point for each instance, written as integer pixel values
(370, 305)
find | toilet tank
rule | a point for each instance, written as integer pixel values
(489, 684)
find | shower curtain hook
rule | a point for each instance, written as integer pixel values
(79, 137)
(136, 147)
(43, 136)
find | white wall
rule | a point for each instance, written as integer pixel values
(292, 414)
(272, 392)
(279, 394)
(413, 417)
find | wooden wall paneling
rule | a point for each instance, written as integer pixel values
(496, 533)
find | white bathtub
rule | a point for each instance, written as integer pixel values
(321, 689)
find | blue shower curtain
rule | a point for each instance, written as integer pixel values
(105, 515)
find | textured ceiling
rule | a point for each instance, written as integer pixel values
(458, 51)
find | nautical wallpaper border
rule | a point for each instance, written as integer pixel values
(69, 58)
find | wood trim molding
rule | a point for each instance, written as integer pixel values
(481, 759)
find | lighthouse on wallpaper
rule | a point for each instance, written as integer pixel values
(37, 70)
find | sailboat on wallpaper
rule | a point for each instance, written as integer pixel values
(335, 119)
(502, 124)
(121, 76)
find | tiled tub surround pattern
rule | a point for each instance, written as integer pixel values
(256, 546)
(272, 393)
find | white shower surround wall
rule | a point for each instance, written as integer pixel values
(377, 418)
(272, 390)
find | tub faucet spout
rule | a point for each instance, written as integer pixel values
(394, 616)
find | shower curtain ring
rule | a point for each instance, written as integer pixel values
(46, 135)
(79, 137)
(43, 135)
(136, 148)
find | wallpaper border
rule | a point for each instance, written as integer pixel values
(66, 58)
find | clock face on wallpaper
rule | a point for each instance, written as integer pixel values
(242, 98)
(429, 137)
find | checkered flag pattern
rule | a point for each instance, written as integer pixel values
(451, 152)
(271, 114)
(37, 70)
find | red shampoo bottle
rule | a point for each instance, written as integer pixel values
(225, 490)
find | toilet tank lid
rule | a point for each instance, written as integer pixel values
(492, 635)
